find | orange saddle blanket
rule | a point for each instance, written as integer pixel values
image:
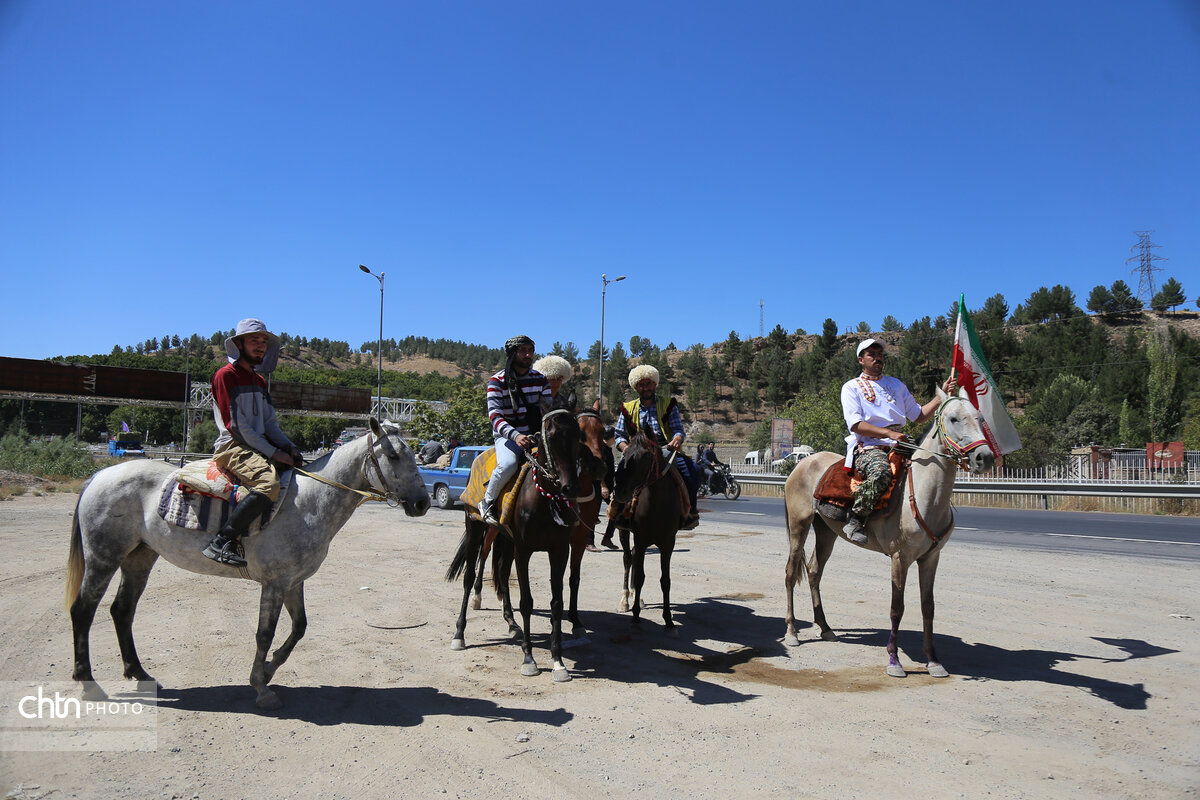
(837, 486)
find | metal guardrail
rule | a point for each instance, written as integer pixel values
(1189, 491)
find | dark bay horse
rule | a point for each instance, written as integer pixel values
(916, 533)
(117, 526)
(645, 477)
(542, 522)
(595, 471)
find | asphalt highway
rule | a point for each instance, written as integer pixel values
(1137, 535)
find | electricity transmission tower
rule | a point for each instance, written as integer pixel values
(760, 318)
(1145, 269)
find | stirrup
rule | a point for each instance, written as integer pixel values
(489, 517)
(856, 529)
(224, 551)
(691, 523)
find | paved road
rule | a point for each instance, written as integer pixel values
(1142, 536)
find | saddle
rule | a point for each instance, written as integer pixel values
(197, 497)
(477, 483)
(834, 494)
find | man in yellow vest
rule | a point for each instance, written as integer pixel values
(661, 417)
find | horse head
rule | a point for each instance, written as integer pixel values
(643, 464)
(959, 427)
(560, 445)
(395, 475)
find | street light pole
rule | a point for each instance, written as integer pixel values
(603, 290)
(379, 345)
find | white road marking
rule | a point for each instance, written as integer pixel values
(747, 513)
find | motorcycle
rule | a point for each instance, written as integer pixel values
(721, 482)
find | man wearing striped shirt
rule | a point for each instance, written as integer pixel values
(516, 396)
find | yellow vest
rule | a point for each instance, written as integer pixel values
(660, 409)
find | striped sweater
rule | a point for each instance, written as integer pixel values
(507, 421)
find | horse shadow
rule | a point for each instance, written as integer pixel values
(979, 661)
(645, 654)
(399, 706)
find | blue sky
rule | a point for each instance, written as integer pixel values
(175, 167)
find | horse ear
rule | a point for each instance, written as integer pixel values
(596, 405)
(375, 427)
(571, 400)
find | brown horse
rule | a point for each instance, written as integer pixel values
(596, 471)
(916, 533)
(644, 480)
(542, 522)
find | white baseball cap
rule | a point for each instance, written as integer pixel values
(865, 344)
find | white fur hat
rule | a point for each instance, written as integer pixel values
(640, 373)
(554, 367)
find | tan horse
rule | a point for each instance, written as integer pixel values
(917, 532)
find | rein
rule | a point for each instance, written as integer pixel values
(372, 494)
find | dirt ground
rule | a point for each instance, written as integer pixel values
(1071, 676)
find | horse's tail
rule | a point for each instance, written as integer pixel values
(459, 563)
(75, 555)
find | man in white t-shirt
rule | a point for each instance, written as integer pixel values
(876, 408)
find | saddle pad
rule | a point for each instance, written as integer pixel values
(477, 483)
(837, 485)
(184, 507)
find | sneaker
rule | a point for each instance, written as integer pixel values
(489, 516)
(855, 529)
(224, 551)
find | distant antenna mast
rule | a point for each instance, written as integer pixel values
(760, 318)
(1145, 268)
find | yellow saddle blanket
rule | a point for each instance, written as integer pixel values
(477, 483)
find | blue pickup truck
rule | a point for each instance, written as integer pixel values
(447, 485)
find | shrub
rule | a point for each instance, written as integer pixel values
(65, 456)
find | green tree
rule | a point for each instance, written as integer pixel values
(1169, 296)
(1100, 301)
(1123, 300)
(892, 325)
(863, 327)
(1163, 407)
(817, 419)
(465, 419)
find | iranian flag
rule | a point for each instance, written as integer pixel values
(973, 375)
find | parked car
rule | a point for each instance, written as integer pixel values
(447, 485)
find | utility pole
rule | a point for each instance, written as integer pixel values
(1145, 269)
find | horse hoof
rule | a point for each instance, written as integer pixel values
(936, 670)
(92, 691)
(458, 644)
(268, 701)
(476, 603)
(623, 607)
(529, 669)
(673, 632)
(791, 640)
(578, 630)
(896, 671)
(561, 675)
(829, 636)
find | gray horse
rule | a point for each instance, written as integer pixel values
(917, 532)
(117, 526)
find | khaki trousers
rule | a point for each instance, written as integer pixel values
(251, 467)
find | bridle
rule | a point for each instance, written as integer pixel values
(655, 472)
(374, 493)
(957, 453)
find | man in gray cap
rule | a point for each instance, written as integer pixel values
(250, 443)
(876, 408)
(516, 396)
